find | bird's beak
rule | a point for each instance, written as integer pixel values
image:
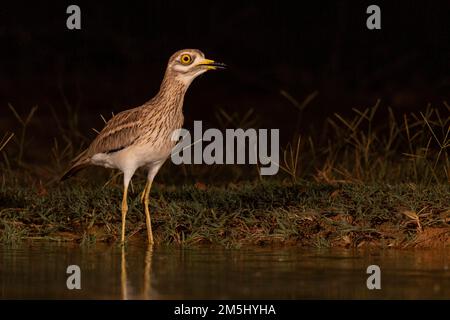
(212, 65)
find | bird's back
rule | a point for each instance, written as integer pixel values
(151, 124)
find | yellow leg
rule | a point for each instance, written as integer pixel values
(146, 196)
(143, 192)
(124, 212)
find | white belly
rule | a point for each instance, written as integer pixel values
(131, 158)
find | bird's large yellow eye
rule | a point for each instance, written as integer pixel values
(186, 59)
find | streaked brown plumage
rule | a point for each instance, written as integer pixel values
(141, 137)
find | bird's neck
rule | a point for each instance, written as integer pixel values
(172, 90)
(168, 103)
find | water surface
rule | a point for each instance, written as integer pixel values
(38, 270)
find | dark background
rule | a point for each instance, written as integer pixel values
(118, 58)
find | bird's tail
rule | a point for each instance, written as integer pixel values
(78, 164)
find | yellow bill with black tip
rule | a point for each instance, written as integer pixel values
(212, 65)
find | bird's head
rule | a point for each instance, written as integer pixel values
(186, 65)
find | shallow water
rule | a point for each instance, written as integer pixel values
(107, 272)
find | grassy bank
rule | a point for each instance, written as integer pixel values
(358, 181)
(312, 214)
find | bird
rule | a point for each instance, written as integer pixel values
(142, 136)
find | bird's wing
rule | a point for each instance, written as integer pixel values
(119, 132)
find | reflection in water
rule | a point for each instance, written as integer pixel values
(123, 275)
(140, 272)
(146, 288)
(148, 272)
